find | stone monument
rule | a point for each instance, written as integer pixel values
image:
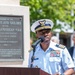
(14, 33)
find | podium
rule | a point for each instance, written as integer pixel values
(21, 71)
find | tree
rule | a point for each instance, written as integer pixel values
(50, 9)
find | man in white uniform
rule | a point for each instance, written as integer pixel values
(51, 57)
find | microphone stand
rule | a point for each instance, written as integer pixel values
(41, 39)
(32, 58)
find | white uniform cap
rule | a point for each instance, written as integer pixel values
(41, 24)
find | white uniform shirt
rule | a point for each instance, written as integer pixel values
(55, 59)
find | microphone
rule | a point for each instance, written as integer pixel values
(41, 39)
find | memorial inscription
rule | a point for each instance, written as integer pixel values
(11, 37)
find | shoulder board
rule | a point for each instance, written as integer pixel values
(30, 50)
(60, 46)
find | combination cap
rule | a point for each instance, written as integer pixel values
(41, 24)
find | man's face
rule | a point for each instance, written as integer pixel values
(46, 33)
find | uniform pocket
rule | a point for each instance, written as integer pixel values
(54, 59)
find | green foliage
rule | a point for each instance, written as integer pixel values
(50, 9)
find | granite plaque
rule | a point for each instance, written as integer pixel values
(11, 37)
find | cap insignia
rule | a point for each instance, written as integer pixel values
(42, 23)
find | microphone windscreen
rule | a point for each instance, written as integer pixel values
(42, 38)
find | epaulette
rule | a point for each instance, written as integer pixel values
(60, 46)
(30, 49)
